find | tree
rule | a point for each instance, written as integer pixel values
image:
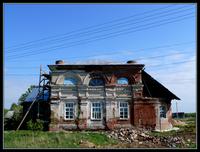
(12, 123)
(24, 95)
(5, 111)
(18, 111)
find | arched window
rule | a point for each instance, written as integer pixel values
(122, 80)
(70, 81)
(96, 82)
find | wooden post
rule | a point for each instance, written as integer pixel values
(159, 118)
(176, 109)
(38, 114)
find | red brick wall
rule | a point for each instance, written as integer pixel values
(113, 122)
(133, 77)
(144, 115)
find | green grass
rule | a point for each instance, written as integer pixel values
(163, 134)
(187, 131)
(190, 127)
(39, 139)
(187, 120)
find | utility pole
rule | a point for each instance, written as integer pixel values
(37, 98)
(38, 114)
(176, 109)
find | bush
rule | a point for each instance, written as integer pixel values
(190, 115)
(13, 122)
(38, 125)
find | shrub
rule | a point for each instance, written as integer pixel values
(190, 115)
(38, 125)
(13, 122)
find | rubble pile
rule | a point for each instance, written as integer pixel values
(141, 136)
(177, 122)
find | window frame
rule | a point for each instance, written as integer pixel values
(101, 111)
(69, 111)
(73, 80)
(122, 78)
(96, 85)
(163, 112)
(124, 118)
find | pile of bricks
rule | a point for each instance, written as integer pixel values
(141, 136)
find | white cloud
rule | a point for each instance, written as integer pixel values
(115, 56)
(181, 80)
(93, 61)
(171, 78)
(176, 56)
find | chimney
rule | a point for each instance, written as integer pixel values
(59, 62)
(131, 62)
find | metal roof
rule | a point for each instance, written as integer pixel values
(33, 94)
(155, 88)
(94, 66)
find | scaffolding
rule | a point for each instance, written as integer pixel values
(43, 86)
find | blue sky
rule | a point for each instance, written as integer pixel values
(161, 36)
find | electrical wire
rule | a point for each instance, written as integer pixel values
(107, 28)
(146, 58)
(36, 52)
(173, 63)
(136, 51)
(93, 26)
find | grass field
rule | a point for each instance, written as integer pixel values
(88, 139)
(39, 139)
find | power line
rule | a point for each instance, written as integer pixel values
(177, 83)
(181, 79)
(147, 58)
(14, 74)
(118, 52)
(153, 57)
(25, 54)
(185, 61)
(22, 67)
(166, 70)
(96, 36)
(89, 27)
(174, 63)
(97, 30)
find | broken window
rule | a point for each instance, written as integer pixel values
(96, 110)
(123, 110)
(70, 81)
(69, 110)
(162, 112)
(96, 82)
(122, 80)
